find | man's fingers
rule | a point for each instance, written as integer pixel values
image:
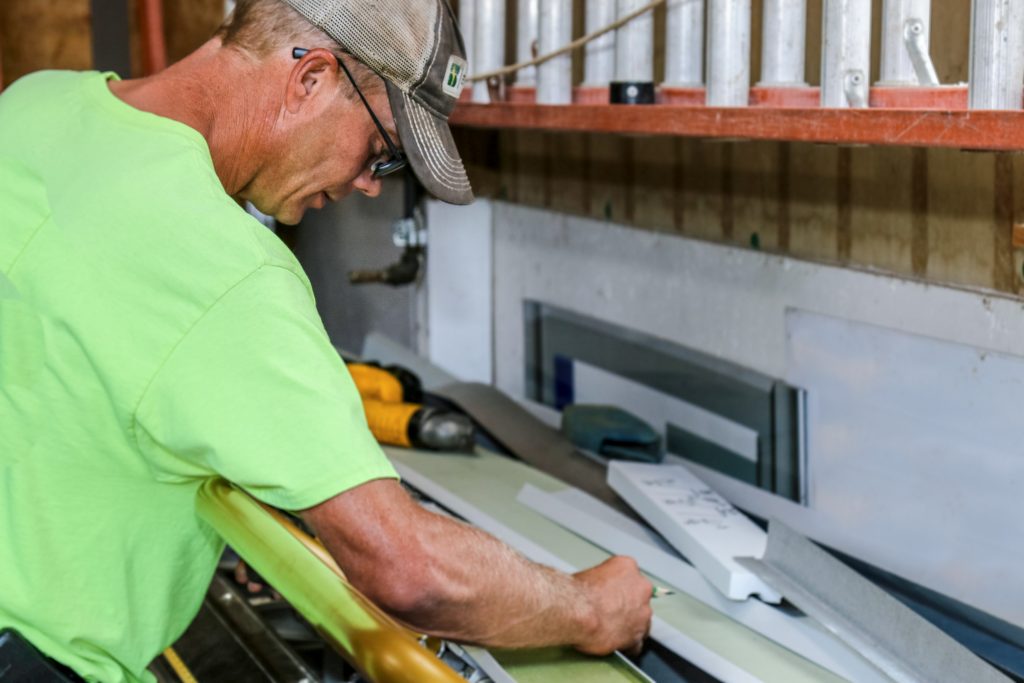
(635, 649)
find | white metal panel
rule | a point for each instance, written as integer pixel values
(698, 522)
(930, 429)
(459, 275)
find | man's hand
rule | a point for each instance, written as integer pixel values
(621, 598)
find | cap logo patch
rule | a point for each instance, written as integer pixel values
(454, 76)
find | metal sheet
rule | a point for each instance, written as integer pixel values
(700, 523)
(529, 439)
(680, 643)
(485, 487)
(383, 349)
(793, 631)
(901, 644)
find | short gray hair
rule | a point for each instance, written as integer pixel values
(260, 27)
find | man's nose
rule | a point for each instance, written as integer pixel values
(368, 184)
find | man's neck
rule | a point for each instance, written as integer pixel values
(216, 92)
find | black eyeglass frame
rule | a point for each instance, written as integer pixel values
(397, 161)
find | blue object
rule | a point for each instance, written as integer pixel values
(612, 432)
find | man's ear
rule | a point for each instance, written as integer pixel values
(314, 74)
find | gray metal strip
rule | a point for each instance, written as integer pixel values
(905, 647)
(487, 664)
(532, 441)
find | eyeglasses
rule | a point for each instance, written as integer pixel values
(396, 161)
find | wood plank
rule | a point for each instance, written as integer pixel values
(189, 24)
(1003, 270)
(961, 226)
(567, 173)
(44, 34)
(531, 167)
(983, 130)
(653, 184)
(1018, 229)
(950, 51)
(813, 202)
(700, 201)
(882, 208)
(606, 177)
(508, 179)
(755, 199)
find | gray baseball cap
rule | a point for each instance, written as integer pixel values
(416, 47)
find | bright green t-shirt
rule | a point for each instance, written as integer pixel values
(152, 335)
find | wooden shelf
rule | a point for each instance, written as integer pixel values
(959, 129)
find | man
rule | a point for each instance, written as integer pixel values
(153, 335)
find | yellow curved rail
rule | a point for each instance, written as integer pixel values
(371, 641)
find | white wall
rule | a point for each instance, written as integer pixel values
(459, 289)
(942, 511)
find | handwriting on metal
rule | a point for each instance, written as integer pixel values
(691, 506)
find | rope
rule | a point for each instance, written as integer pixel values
(574, 45)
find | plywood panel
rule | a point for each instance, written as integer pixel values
(606, 175)
(481, 156)
(653, 183)
(531, 167)
(961, 226)
(1018, 218)
(813, 58)
(882, 208)
(813, 201)
(701, 198)
(567, 174)
(44, 34)
(1003, 275)
(189, 24)
(507, 176)
(755, 194)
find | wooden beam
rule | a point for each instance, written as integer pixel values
(980, 130)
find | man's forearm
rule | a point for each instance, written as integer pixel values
(448, 579)
(494, 596)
